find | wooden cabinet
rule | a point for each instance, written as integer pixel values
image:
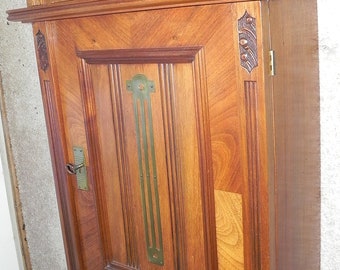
(174, 144)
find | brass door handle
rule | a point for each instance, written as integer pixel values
(78, 168)
(72, 169)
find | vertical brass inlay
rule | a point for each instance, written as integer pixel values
(141, 88)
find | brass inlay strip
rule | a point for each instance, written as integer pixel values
(141, 88)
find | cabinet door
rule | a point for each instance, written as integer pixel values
(167, 109)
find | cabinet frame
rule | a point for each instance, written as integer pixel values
(293, 120)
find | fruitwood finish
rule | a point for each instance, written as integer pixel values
(191, 151)
(64, 9)
(297, 131)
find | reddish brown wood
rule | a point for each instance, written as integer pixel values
(251, 108)
(205, 153)
(62, 186)
(94, 156)
(177, 193)
(79, 8)
(142, 56)
(297, 134)
(76, 208)
(125, 182)
(59, 156)
(219, 128)
(173, 161)
(192, 179)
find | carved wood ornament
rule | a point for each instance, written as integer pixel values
(247, 41)
(42, 51)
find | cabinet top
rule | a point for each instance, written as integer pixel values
(66, 9)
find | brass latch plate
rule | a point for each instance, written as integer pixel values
(81, 172)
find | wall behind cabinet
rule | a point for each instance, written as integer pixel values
(29, 142)
(329, 43)
(30, 147)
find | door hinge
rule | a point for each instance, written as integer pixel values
(272, 63)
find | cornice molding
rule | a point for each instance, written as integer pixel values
(76, 9)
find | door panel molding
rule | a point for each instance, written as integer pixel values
(167, 62)
(140, 55)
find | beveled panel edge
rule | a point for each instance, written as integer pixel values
(205, 160)
(76, 9)
(167, 86)
(94, 171)
(116, 88)
(140, 56)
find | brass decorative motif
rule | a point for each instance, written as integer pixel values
(247, 42)
(42, 51)
(141, 88)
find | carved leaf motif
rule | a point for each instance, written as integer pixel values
(247, 42)
(42, 51)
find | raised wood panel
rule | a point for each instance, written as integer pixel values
(105, 97)
(87, 91)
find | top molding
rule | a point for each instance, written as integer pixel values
(81, 8)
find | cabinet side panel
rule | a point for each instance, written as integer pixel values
(297, 130)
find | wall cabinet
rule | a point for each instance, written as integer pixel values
(174, 144)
